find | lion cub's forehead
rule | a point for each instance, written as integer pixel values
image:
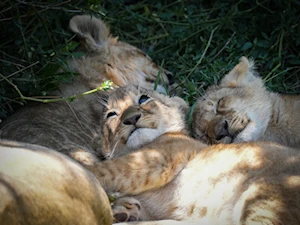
(124, 97)
(121, 98)
(128, 50)
(215, 93)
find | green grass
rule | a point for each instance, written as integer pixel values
(199, 41)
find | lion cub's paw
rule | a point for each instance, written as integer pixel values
(84, 157)
(126, 209)
(225, 103)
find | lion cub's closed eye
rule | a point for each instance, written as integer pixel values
(241, 109)
(135, 117)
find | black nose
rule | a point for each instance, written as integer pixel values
(132, 120)
(170, 77)
(223, 131)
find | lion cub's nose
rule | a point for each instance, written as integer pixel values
(170, 77)
(132, 120)
(131, 116)
(223, 131)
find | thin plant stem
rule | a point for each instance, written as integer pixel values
(202, 56)
(70, 98)
(19, 71)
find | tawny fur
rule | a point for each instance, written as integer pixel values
(39, 186)
(180, 180)
(135, 116)
(73, 127)
(241, 109)
(174, 179)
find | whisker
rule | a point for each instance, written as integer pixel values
(103, 102)
(111, 154)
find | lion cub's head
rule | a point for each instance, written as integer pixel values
(107, 58)
(236, 110)
(135, 117)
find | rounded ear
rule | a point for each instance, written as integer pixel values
(92, 31)
(243, 74)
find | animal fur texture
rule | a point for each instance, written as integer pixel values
(241, 109)
(175, 179)
(73, 127)
(134, 117)
(39, 186)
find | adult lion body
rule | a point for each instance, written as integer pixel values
(73, 127)
(240, 109)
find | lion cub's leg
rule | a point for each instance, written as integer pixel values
(84, 157)
(275, 202)
(262, 213)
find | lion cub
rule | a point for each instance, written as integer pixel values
(135, 116)
(240, 109)
(39, 186)
(72, 127)
(173, 177)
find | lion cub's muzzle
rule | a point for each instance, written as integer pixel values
(225, 130)
(131, 115)
(218, 131)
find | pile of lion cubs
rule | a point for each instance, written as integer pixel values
(46, 150)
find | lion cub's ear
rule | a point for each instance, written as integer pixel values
(243, 74)
(92, 31)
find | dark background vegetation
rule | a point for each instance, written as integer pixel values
(199, 41)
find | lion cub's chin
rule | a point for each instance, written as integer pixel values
(142, 136)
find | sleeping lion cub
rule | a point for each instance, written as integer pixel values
(39, 186)
(179, 180)
(240, 109)
(73, 127)
(170, 177)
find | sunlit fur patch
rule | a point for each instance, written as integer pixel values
(136, 122)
